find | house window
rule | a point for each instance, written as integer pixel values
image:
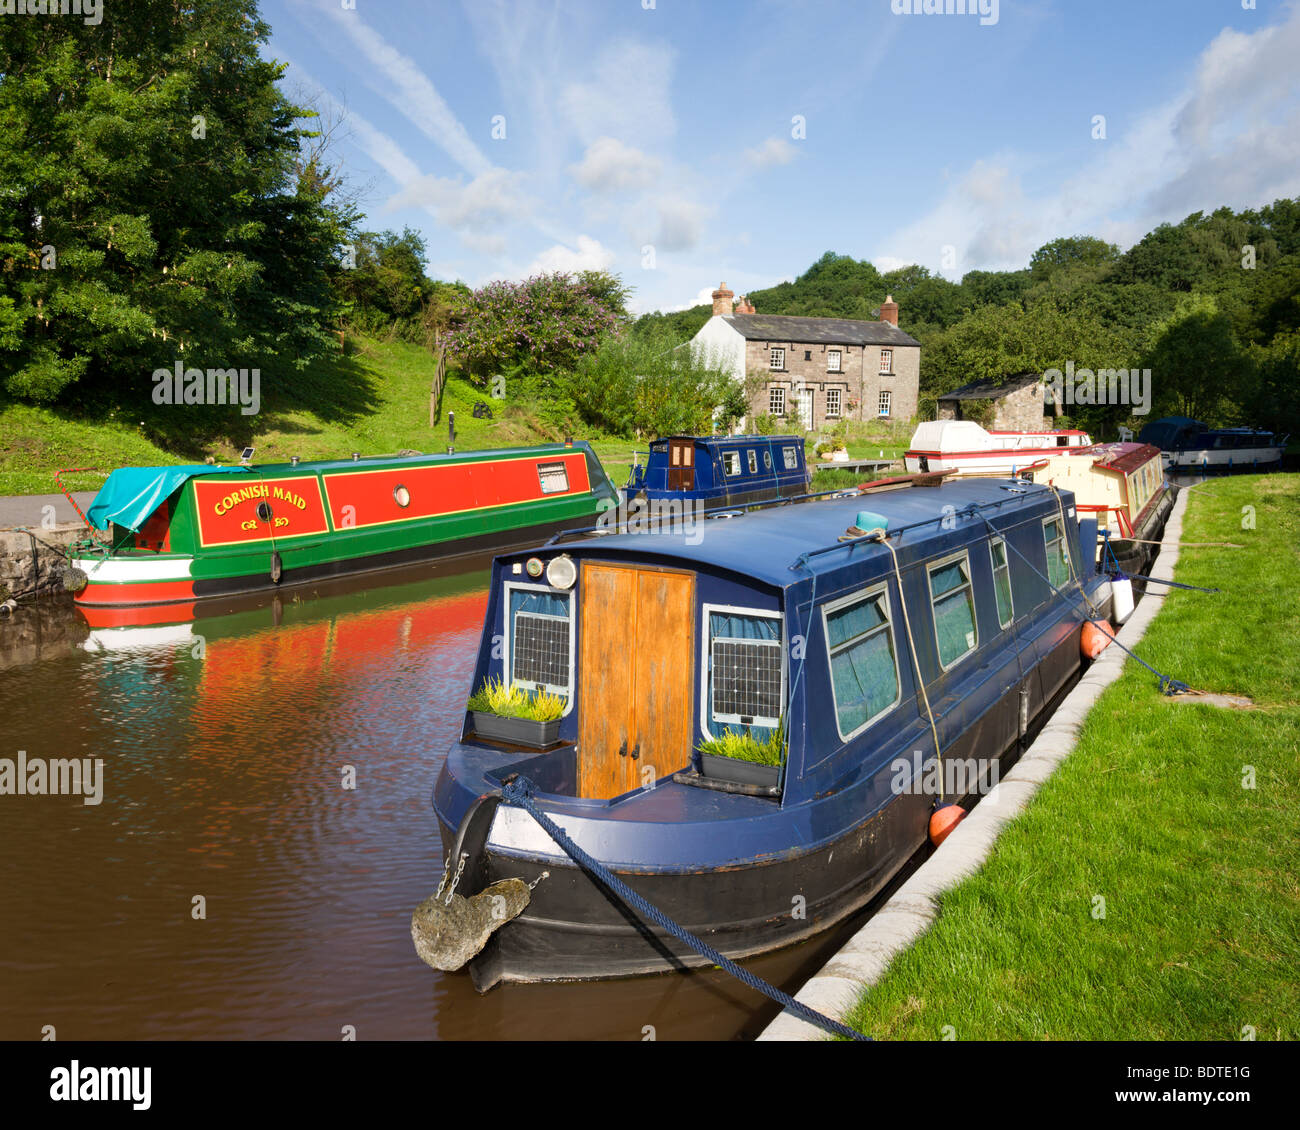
(886, 397)
(791, 457)
(753, 461)
(807, 354)
(776, 401)
(1058, 553)
(744, 669)
(953, 601)
(833, 401)
(864, 667)
(539, 639)
(778, 360)
(731, 462)
(886, 360)
(1001, 580)
(833, 361)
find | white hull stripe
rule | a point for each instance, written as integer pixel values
(123, 570)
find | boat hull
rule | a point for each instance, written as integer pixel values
(574, 929)
(1238, 459)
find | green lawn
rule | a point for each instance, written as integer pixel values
(1200, 937)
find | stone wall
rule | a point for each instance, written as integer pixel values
(1019, 411)
(17, 572)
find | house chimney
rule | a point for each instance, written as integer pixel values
(889, 310)
(722, 300)
(744, 306)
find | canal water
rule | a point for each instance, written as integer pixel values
(229, 885)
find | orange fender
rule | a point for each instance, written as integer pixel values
(1095, 638)
(943, 821)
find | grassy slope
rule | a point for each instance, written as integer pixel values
(1201, 934)
(378, 398)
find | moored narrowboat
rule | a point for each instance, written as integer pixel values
(1189, 445)
(1123, 486)
(965, 447)
(872, 643)
(183, 534)
(717, 472)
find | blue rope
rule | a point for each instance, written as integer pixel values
(1168, 685)
(519, 792)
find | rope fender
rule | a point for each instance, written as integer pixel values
(518, 791)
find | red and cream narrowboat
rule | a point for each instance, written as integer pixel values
(965, 447)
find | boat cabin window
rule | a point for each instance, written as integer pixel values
(1058, 553)
(864, 666)
(744, 669)
(554, 478)
(539, 638)
(1001, 581)
(731, 462)
(953, 601)
(767, 461)
(791, 457)
(753, 461)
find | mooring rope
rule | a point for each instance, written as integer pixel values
(519, 792)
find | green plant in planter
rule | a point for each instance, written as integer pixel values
(745, 747)
(494, 697)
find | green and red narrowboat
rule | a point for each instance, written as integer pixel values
(182, 534)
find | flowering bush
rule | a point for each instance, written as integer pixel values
(539, 326)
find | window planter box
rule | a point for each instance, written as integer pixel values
(516, 731)
(742, 772)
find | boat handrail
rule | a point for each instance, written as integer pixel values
(841, 492)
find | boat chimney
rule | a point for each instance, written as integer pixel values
(451, 433)
(722, 300)
(356, 455)
(889, 310)
(294, 460)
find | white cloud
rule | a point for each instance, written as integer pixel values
(1229, 138)
(491, 200)
(611, 166)
(412, 92)
(628, 96)
(590, 255)
(681, 224)
(774, 151)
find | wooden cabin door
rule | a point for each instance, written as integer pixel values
(635, 676)
(681, 464)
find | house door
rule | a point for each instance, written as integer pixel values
(804, 398)
(681, 464)
(637, 657)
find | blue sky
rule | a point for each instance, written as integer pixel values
(680, 143)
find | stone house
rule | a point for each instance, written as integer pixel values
(826, 369)
(1015, 404)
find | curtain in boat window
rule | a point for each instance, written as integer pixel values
(863, 672)
(744, 657)
(954, 611)
(539, 633)
(1058, 561)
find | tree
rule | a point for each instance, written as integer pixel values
(1197, 367)
(1071, 251)
(152, 212)
(536, 328)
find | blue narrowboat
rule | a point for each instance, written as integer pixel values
(874, 642)
(1188, 445)
(717, 472)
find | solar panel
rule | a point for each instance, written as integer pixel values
(540, 651)
(746, 681)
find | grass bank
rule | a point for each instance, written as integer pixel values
(1200, 876)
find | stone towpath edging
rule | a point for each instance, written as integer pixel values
(866, 956)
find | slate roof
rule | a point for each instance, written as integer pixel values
(992, 390)
(817, 331)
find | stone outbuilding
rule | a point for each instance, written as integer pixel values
(1015, 404)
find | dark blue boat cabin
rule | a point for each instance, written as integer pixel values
(784, 627)
(721, 471)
